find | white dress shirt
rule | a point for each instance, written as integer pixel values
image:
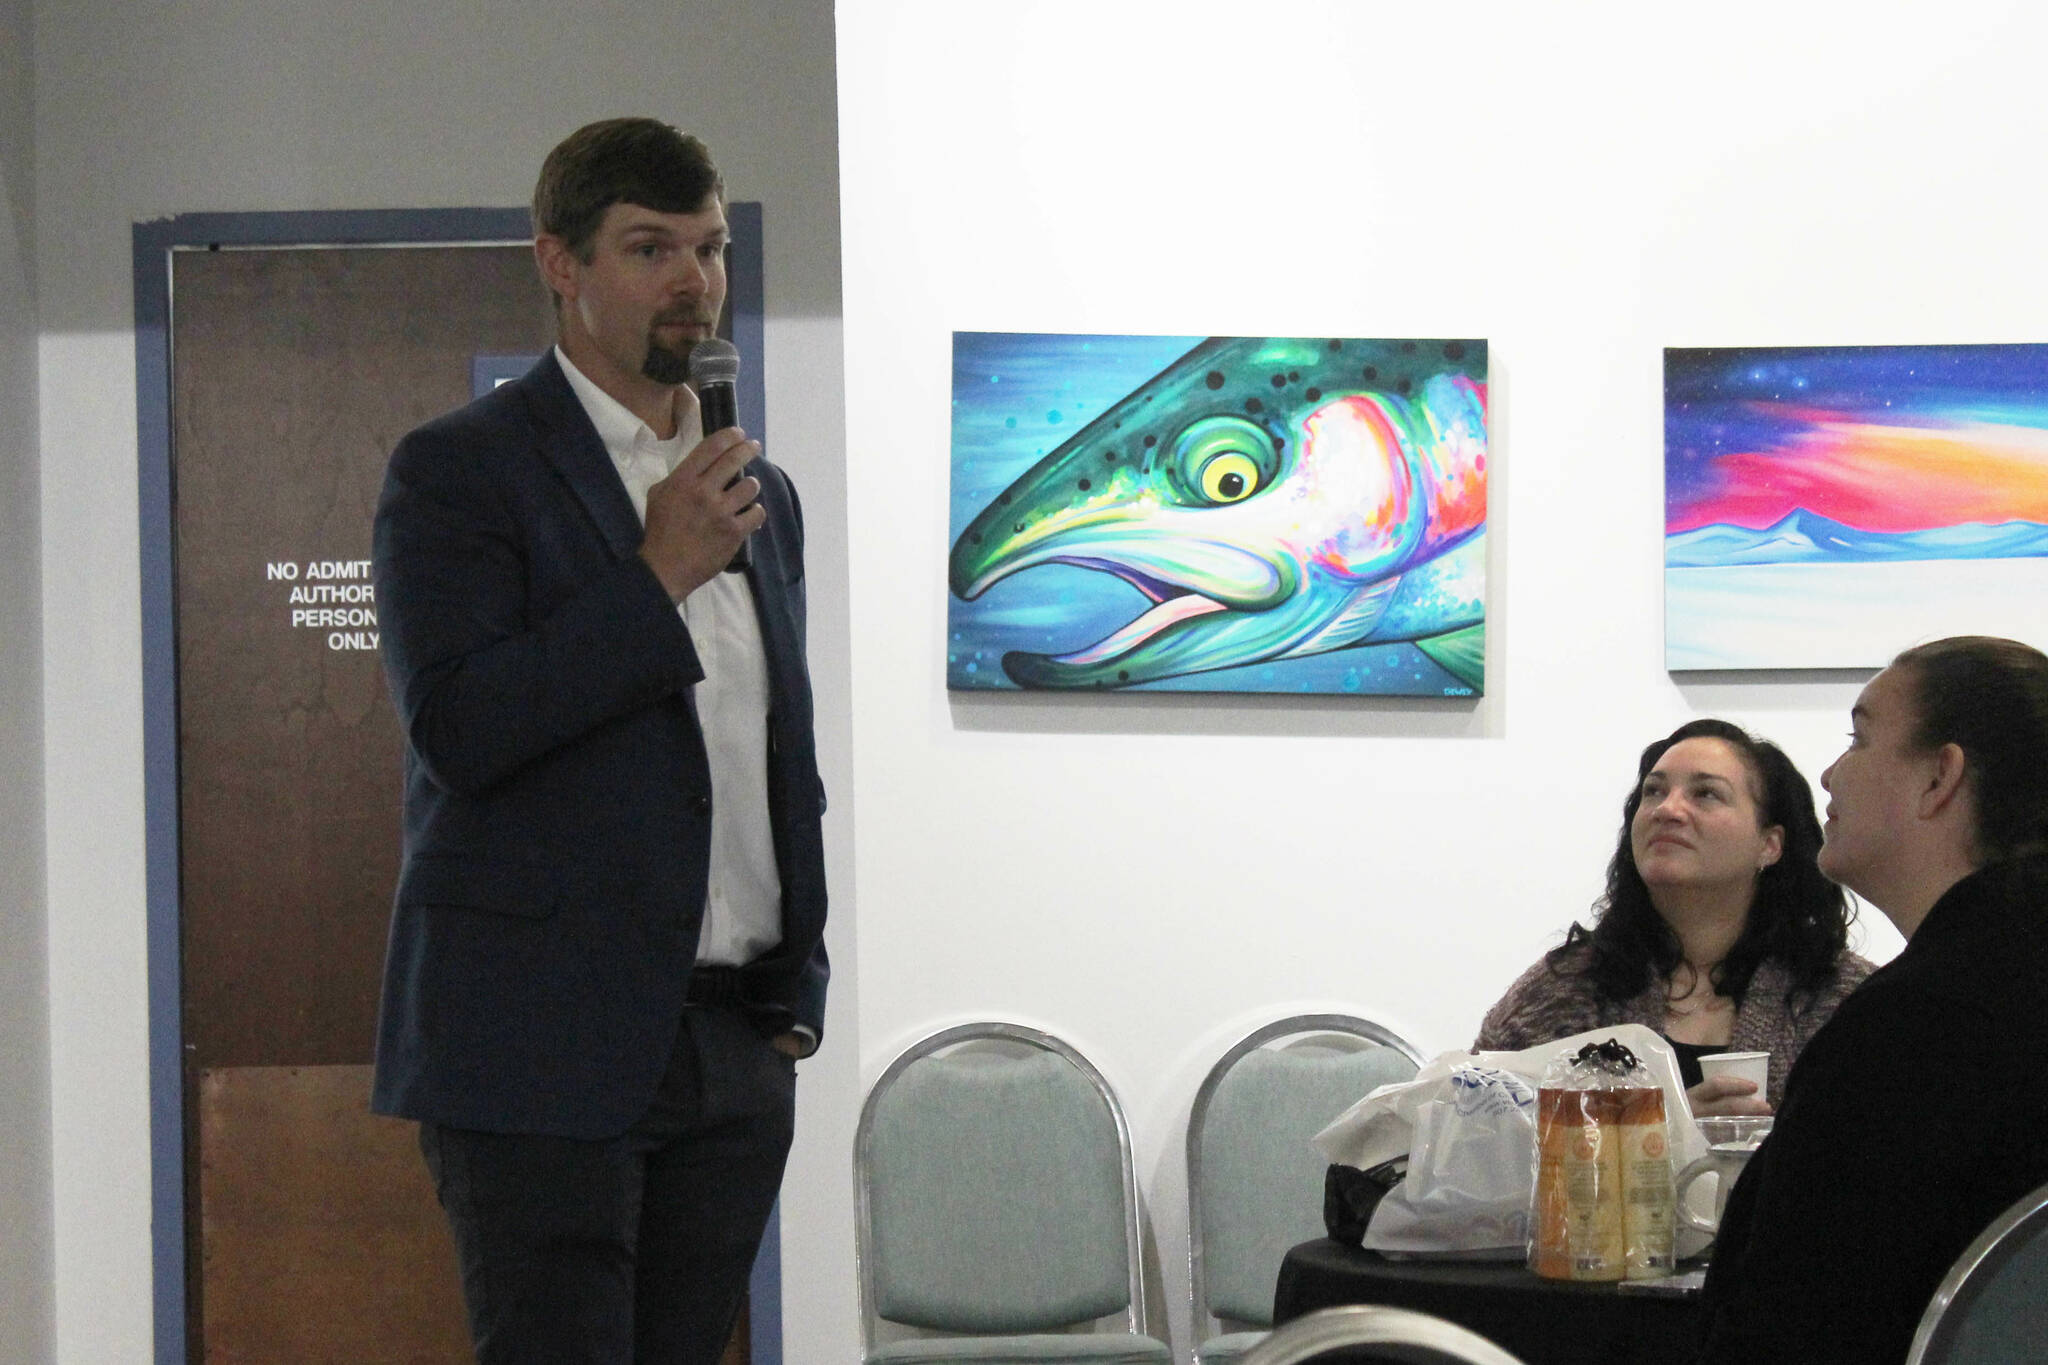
(743, 902)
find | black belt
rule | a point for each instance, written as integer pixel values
(718, 986)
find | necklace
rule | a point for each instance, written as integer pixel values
(1698, 997)
(1686, 1005)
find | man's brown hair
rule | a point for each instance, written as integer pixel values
(620, 161)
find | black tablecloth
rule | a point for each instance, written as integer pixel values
(1542, 1321)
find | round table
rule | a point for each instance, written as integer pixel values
(1542, 1321)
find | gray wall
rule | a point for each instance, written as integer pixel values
(147, 110)
(25, 1248)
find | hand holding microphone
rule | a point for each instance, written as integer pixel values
(700, 515)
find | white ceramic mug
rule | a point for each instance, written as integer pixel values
(1724, 1161)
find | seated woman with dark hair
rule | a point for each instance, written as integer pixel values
(1717, 928)
(1918, 1114)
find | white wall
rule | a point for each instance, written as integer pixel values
(25, 1249)
(146, 110)
(1582, 185)
(1146, 875)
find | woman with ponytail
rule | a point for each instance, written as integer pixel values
(1920, 1112)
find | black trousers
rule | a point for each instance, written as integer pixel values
(634, 1250)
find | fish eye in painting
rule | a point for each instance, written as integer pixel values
(1219, 514)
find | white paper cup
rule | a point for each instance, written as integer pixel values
(1750, 1066)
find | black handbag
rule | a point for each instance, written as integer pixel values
(1350, 1196)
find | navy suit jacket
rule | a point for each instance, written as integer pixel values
(557, 795)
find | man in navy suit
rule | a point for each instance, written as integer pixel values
(606, 947)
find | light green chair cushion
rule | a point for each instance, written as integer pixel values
(1261, 1182)
(995, 1199)
(1106, 1348)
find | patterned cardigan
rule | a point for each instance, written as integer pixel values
(1544, 1005)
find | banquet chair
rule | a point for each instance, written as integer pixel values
(1255, 1185)
(996, 1215)
(1378, 1333)
(1992, 1306)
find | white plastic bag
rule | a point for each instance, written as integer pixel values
(1471, 1175)
(1471, 1166)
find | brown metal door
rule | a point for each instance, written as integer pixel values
(294, 371)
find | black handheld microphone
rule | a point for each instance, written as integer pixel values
(714, 374)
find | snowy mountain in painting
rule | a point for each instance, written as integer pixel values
(1805, 537)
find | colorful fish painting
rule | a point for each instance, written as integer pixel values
(1826, 506)
(1233, 514)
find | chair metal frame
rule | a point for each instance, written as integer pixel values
(981, 1031)
(1397, 1333)
(2009, 1233)
(1292, 1026)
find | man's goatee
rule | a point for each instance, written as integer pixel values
(664, 366)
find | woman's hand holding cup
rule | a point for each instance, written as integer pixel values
(1733, 1083)
(1717, 1095)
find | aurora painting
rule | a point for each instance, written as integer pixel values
(1220, 514)
(1827, 506)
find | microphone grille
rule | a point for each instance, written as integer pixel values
(714, 361)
